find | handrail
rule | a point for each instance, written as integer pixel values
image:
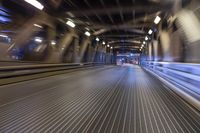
(185, 67)
(14, 71)
(37, 66)
(185, 76)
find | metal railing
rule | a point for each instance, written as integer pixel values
(185, 78)
(22, 70)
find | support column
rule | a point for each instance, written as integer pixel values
(76, 50)
(165, 44)
(83, 48)
(100, 53)
(155, 50)
(104, 53)
(51, 36)
(111, 56)
(94, 53)
(108, 56)
(90, 53)
(189, 26)
(150, 52)
(27, 30)
(57, 55)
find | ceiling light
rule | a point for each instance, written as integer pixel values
(39, 40)
(150, 32)
(36, 25)
(71, 24)
(87, 33)
(144, 42)
(108, 45)
(111, 47)
(157, 20)
(103, 43)
(97, 39)
(35, 3)
(53, 42)
(146, 38)
(5, 36)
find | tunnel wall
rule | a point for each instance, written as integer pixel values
(179, 40)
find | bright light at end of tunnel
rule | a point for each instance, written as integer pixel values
(71, 24)
(97, 39)
(87, 33)
(150, 32)
(157, 20)
(35, 3)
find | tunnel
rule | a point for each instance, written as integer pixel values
(99, 66)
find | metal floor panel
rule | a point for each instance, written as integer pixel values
(114, 100)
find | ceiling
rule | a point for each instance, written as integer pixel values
(123, 22)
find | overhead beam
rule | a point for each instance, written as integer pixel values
(132, 30)
(116, 9)
(110, 39)
(126, 41)
(125, 44)
(116, 36)
(132, 47)
(121, 27)
(148, 17)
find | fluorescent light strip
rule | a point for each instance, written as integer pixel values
(38, 40)
(146, 38)
(39, 26)
(97, 39)
(157, 20)
(150, 32)
(53, 42)
(71, 24)
(87, 33)
(35, 3)
(5, 36)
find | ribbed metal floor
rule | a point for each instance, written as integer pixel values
(109, 100)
